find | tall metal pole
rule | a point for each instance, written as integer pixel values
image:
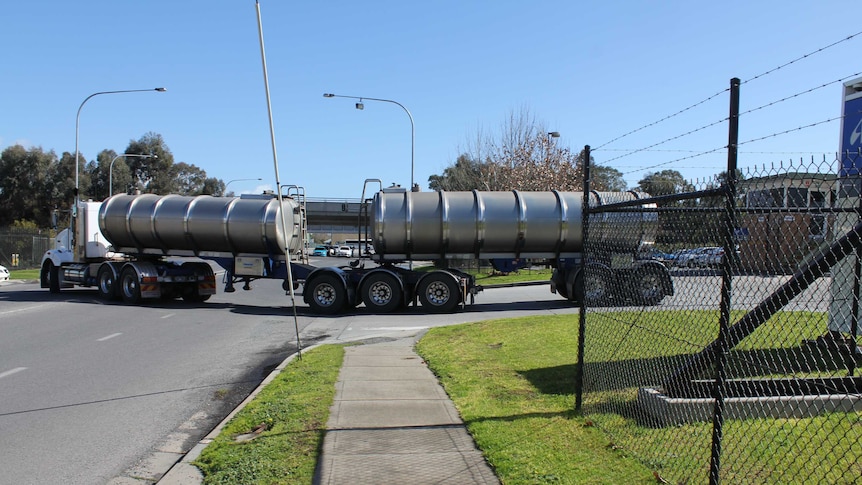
(412, 128)
(278, 182)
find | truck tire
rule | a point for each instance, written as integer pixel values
(51, 277)
(439, 292)
(648, 286)
(327, 294)
(130, 286)
(382, 292)
(106, 284)
(597, 290)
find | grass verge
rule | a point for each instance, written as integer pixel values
(528, 436)
(24, 274)
(292, 412)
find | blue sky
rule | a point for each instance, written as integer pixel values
(591, 70)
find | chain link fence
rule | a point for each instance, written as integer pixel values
(750, 371)
(22, 248)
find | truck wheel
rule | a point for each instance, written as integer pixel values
(439, 293)
(130, 287)
(597, 289)
(382, 293)
(107, 286)
(649, 287)
(51, 277)
(327, 294)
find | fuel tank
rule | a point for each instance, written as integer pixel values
(435, 225)
(176, 225)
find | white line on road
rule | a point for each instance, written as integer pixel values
(109, 337)
(10, 372)
(18, 310)
(169, 315)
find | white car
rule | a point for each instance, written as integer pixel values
(4, 274)
(344, 251)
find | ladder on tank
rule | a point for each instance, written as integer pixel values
(298, 193)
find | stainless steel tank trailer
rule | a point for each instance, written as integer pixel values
(138, 247)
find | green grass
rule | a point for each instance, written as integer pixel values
(513, 383)
(294, 407)
(527, 435)
(24, 274)
(488, 276)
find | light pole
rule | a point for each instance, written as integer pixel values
(553, 134)
(238, 180)
(77, 123)
(111, 169)
(359, 105)
(78, 120)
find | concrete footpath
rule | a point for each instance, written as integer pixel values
(390, 423)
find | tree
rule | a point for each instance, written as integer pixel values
(188, 179)
(152, 175)
(26, 185)
(465, 174)
(666, 182)
(523, 156)
(606, 179)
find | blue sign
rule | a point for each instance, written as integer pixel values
(851, 138)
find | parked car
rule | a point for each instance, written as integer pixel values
(344, 251)
(685, 257)
(709, 257)
(4, 274)
(320, 251)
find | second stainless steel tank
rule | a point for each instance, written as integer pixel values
(435, 225)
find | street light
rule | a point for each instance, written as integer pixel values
(238, 180)
(360, 105)
(77, 123)
(553, 134)
(111, 169)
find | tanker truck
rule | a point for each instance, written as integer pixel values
(140, 247)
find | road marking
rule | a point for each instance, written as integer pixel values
(109, 337)
(10, 372)
(169, 315)
(18, 310)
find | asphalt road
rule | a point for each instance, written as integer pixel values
(94, 391)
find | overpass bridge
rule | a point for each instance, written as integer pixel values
(333, 215)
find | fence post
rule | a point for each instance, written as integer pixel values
(726, 282)
(582, 319)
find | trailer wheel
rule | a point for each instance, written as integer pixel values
(107, 286)
(381, 292)
(439, 293)
(130, 287)
(51, 277)
(649, 286)
(327, 294)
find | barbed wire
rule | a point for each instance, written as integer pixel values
(802, 57)
(758, 76)
(700, 154)
(663, 119)
(714, 123)
(789, 131)
(787, 98)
